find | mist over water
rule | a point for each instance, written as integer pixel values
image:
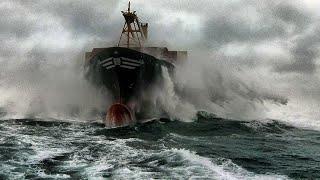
(36, 88)
(217, 84)
(58, 89)
(212, 84)
(41, 89)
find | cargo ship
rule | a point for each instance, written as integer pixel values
(129, 71)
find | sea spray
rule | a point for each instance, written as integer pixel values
(206, 149)
(209, 83)
(170, 101)
(49, 91)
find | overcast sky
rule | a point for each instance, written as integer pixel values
(273, 42)
(283, 35)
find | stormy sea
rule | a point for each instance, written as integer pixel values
(207, 148)
(244, 104)
(48, 130)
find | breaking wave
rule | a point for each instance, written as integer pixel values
(64, 151)
(209, 85)
(42, 89)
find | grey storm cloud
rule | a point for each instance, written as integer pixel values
(305, 53)
(21, 19)
(221, 23)
(223, 30)
(12, 26)
(282, 21)
(84, 18)
(291, 14)
(273, 21)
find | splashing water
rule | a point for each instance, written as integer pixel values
(175, 150)
(171, 102)
(50, 92)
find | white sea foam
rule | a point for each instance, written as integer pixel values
(184, 164)
(171, 102)
(198, 167)
(42, 174)
(8, 170)
(96, 157)
(123, 162)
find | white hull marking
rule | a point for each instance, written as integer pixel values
(131, 60)
(107, 64)
(122, 62)
(108, 59)
(128, 67)
(130, 64)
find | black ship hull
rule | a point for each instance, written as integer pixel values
(129, 76)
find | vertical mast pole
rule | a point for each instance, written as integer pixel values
(129, 27)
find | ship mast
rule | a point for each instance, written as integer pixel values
(133, 32)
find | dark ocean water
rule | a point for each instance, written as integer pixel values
(208, 148)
